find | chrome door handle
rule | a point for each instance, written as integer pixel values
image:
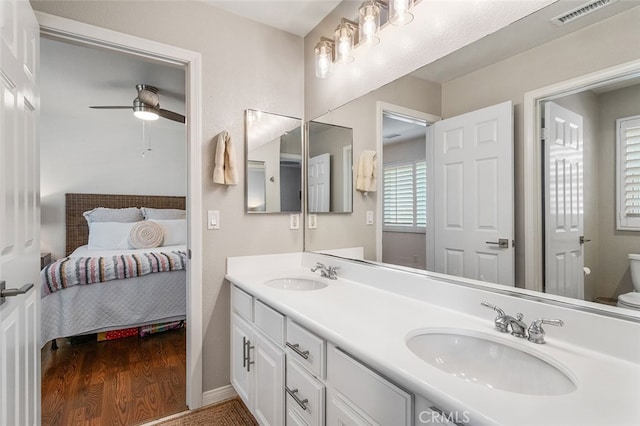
(302, 403)
(244, 352)
(249, 362)
(502, 242)
(295, 347)
(10, 292)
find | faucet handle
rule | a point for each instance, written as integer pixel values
(536, 332)
(500, 322)
(318, 266)
(333, 272)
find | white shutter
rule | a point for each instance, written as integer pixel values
(628, 182)
(405, 204)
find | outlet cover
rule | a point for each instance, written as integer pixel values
(313, 221)
(294, 221)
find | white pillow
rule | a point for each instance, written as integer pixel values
(105, 214)
(175, 231)
(163, 214)
(110, 235)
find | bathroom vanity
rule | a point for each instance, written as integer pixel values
(392, 347)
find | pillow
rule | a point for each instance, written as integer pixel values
(146, 234)
(163, 214)
(175, 231)
(104, 214)
(110, 235)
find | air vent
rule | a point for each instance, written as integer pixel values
(581, 11)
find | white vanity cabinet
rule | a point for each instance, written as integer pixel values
(257, 364)
(289, 375)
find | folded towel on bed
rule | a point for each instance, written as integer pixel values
(224, 162)
(367, 171)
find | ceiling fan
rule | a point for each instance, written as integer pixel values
(147, 105)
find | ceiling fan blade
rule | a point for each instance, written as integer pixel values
(171, 115)
(112, 107)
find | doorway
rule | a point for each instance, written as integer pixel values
(83, 34)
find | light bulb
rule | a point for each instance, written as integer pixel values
(369, 14)
(399, 12)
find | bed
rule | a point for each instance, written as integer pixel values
(153, 298)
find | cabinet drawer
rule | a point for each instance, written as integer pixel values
(242, 303)
(271, 322)
(306, 347)
(301, 384)
(372, 394)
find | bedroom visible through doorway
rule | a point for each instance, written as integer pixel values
(106, 152)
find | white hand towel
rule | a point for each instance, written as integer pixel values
(224, 162)
(367, 171)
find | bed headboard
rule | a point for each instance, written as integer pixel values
(77, 233)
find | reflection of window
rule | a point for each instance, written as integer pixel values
(628, 172)
(405, 197)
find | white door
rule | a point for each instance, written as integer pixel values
(19, 215)
(473, 195)
(241, 336)
(563, 198)
(269, 382)
(319, 183)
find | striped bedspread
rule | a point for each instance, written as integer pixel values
(72, 271)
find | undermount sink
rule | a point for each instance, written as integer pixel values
(486, 362)
(296, 284)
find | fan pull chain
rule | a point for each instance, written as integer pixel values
(146, 138)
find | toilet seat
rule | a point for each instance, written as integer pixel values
(629, 300)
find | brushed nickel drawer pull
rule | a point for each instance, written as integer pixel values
(295, 347)
(301, 403)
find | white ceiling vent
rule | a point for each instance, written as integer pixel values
(580, 11)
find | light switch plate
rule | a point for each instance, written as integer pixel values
(369, 217)
(294, 221)
(313, 221)
(213, 219)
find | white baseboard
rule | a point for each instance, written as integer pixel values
(218, 395)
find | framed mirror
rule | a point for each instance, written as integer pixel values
(329, 168)
(273, 178)
(507, 67)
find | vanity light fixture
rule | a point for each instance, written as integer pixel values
(324, 57)
(344, 40)
(369, 21)
(399, 12)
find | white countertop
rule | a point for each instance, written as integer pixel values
(373, 325)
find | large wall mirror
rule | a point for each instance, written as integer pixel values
(273, 163)
(329, 168)
(399, 121)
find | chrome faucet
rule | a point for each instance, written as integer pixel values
(327, 271)
(536, 332)
(504, 322)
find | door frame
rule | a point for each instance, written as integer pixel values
(88, 35)
(533, 215)
(381, 107)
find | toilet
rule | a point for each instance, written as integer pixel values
(632, 300)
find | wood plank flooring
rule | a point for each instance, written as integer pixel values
(120, 382)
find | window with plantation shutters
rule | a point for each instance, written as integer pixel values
(405, 197)
(628, 171)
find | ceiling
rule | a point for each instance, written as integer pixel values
(298, 17)
(75, 77)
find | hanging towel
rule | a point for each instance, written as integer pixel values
(367, 171)
(224, 162)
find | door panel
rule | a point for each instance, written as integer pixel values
(319, 183)
(473, 195)
(19, 214)
(564, 216)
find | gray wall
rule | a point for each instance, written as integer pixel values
(596, 47)
(259, 67)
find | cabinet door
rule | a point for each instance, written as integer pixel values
(268, 401)
(240, 374)
(341, 413)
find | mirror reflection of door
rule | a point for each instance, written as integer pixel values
(586, 251)
(256, 183)
(404, 187)
(319, 183)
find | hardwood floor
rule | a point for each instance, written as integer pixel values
(120, 382)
